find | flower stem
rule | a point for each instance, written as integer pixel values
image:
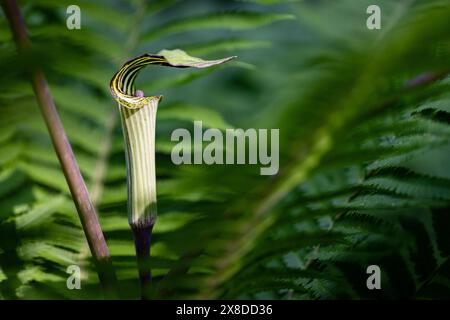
(142, 242)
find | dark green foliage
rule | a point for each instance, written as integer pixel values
(364, 150)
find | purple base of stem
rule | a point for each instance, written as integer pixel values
(142, 242)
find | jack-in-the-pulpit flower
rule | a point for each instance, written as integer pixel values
(138, 116)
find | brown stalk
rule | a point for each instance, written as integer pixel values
(77, 186)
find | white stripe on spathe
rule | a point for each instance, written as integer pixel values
(139, 135)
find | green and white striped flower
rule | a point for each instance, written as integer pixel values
(138, 115)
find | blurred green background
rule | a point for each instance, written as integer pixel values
(364, 149)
